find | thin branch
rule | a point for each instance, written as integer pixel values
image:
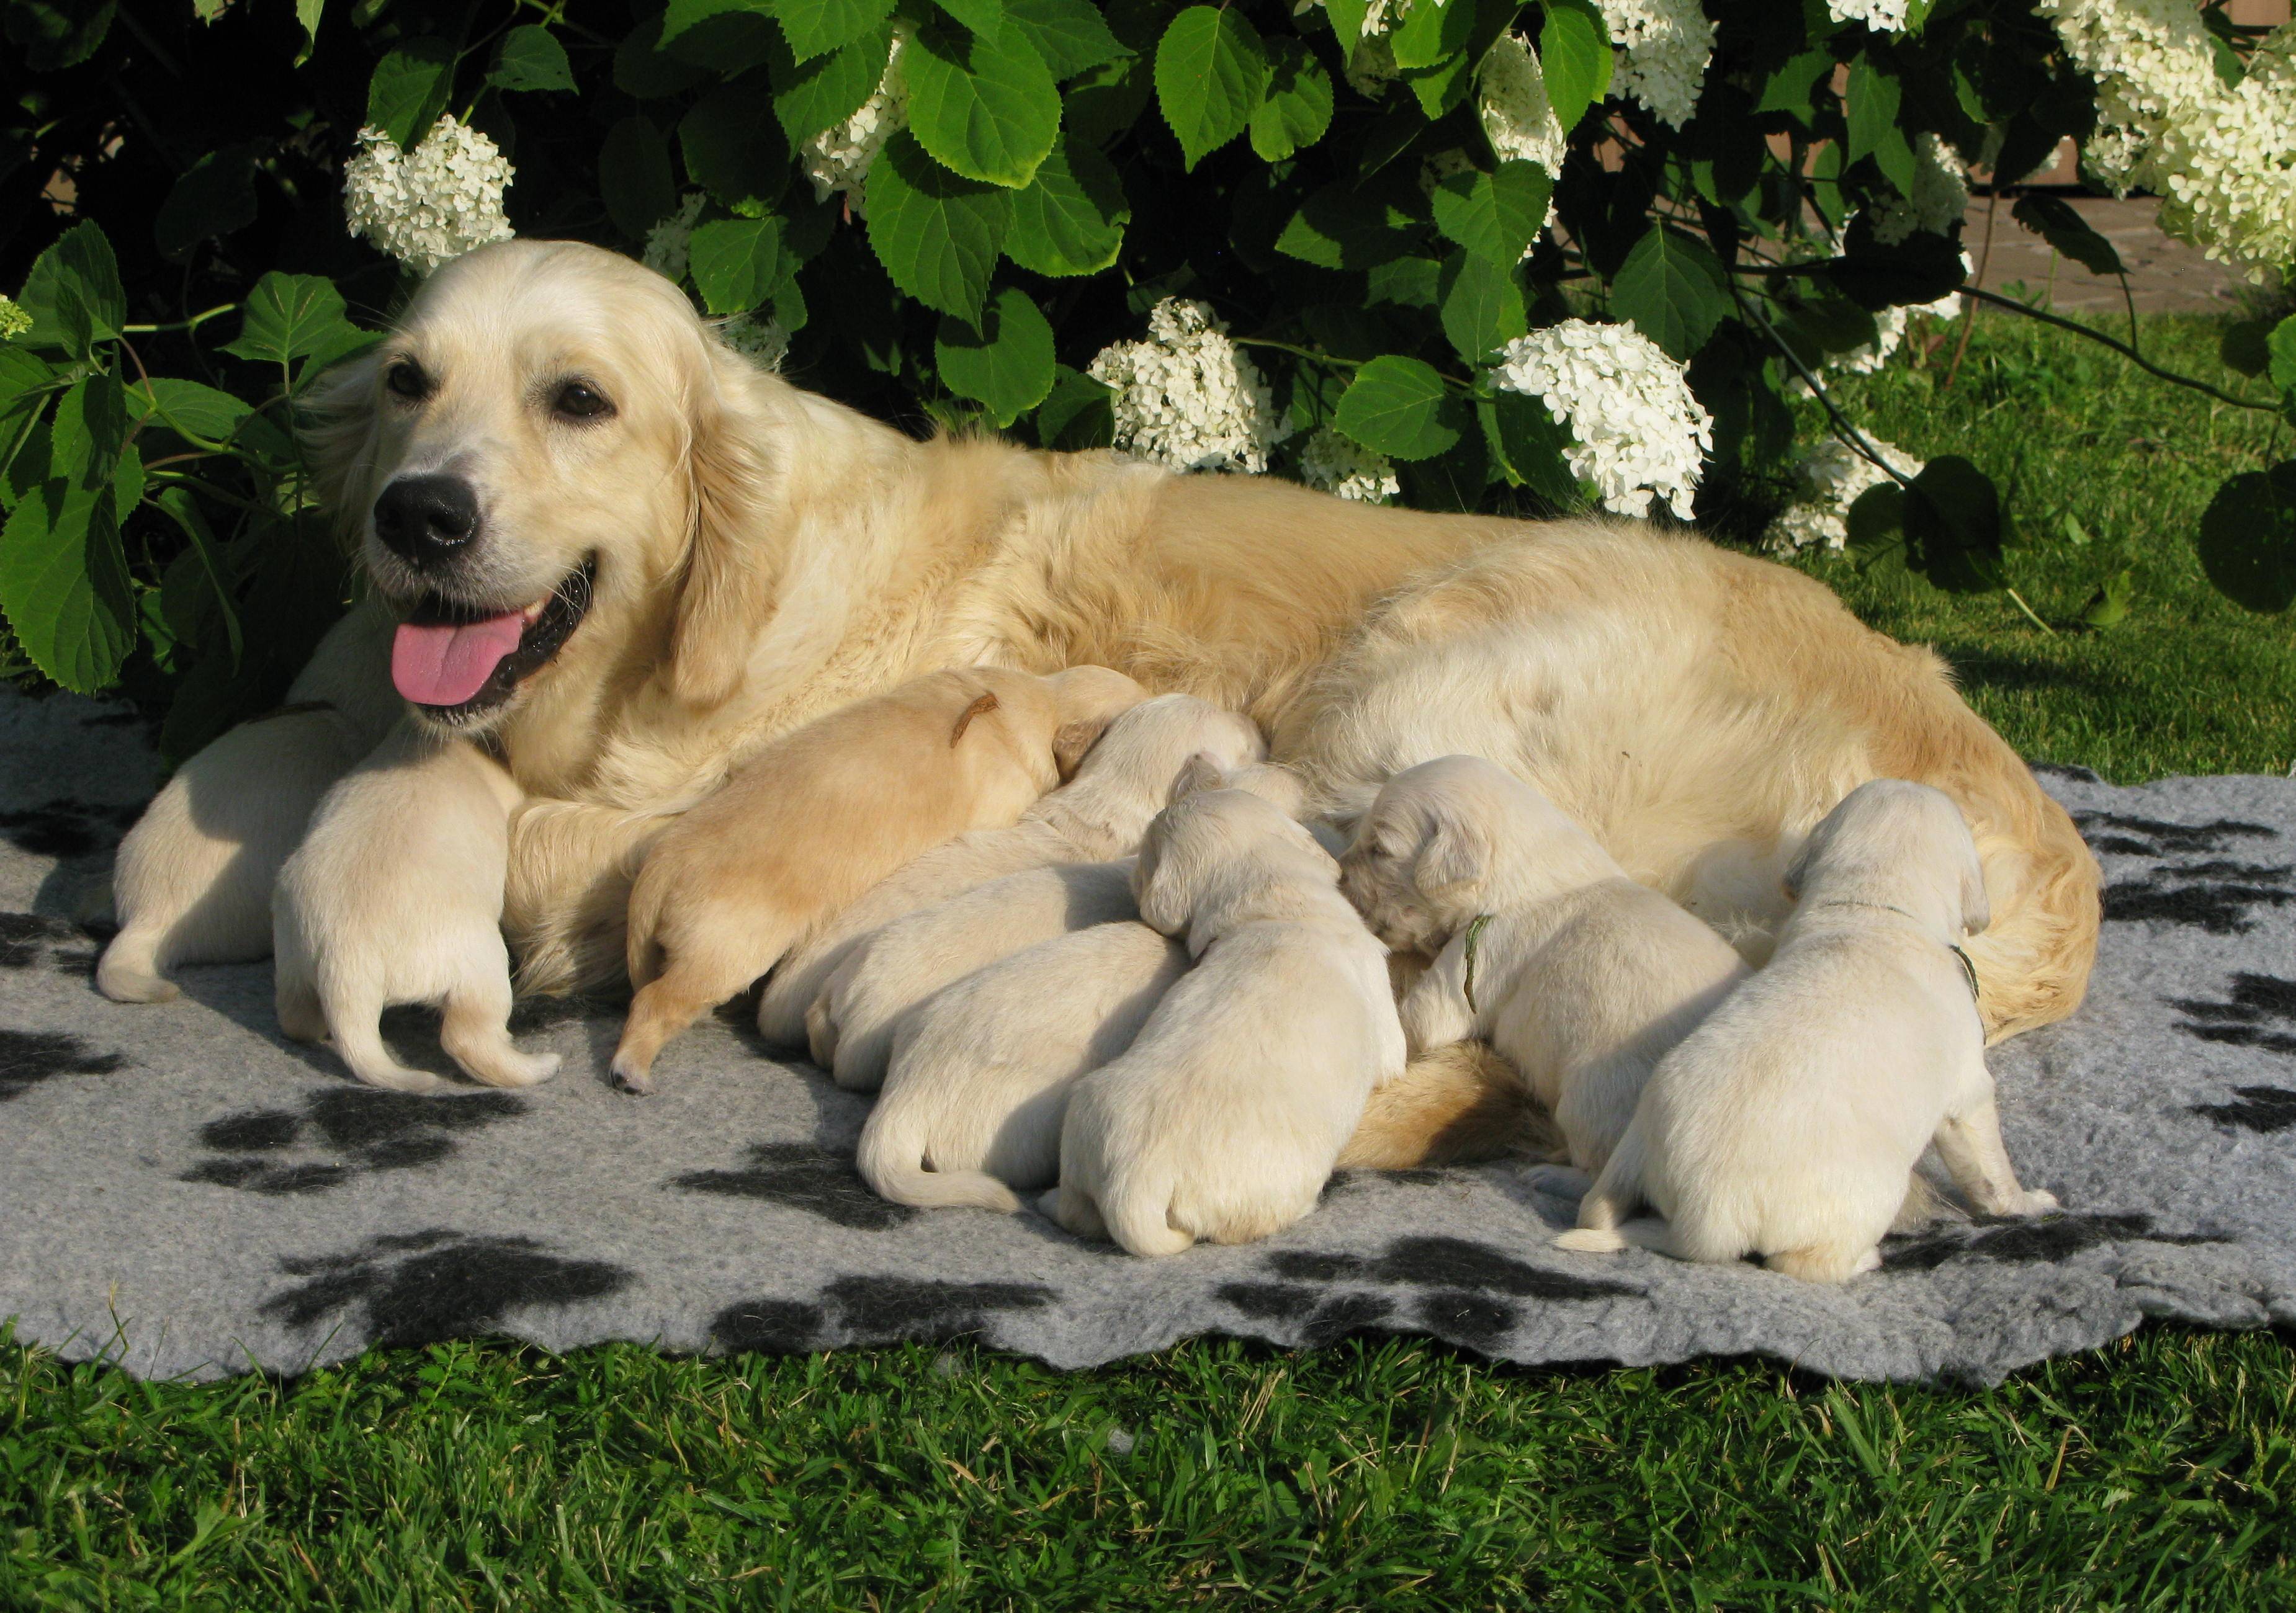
(1968, 314)
(2121, 347)
(1843, 427)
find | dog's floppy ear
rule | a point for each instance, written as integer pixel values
(1159, 883)
(1090, 699)
(732, 566)
(1200, 772)
(1457, 852)
(336, 428)
(1274, 783)
(1798, 870)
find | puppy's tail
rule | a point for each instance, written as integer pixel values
(893, 1163)
(1647, 1232)
(129, 971)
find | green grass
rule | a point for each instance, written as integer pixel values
(2156, 1472)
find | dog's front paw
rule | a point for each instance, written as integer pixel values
(2034, 1203)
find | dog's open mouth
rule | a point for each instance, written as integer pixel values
(458, 662)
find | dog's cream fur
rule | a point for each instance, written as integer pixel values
(764, 555)
(1123, 781)
(981, 1072)
(346, 946)
(1583, 979)
(1224, 1119)
(817, 817)
(1787, 1124)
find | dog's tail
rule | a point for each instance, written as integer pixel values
(130, 969)
(892, 1162)
(1452, 1106)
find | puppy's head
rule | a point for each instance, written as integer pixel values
(1273, 783)
(1148, 746)
(1223, 857)
(1896, 844)
(1428, 855)
(1088, 699)
(550, 464)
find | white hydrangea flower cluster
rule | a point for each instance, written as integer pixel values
(1511, 97)
(1939, 199)
(762, 341)
(2222, 159)
(1832, 476)
(1663, 48)
(669, 244)
(837, 159)
(1882, 16)
(1187, 397)
(1636, 428)
(14, 320)
(1336, 464)
(438, 201)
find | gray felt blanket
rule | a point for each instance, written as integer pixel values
(187, 1193)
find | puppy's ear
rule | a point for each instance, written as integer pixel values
(733, 565)
(1457, 853)
(1976, 907)
(336, 427)
(1798, 870)
(1089, 699)
(1274, 783)
(1159, 885)
(1073, 740)
(1200, 772)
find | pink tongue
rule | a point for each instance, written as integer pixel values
(446, 664)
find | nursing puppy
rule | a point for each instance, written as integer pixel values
(348, 945)
(1581, 977)
(1123, 781)
(1224, 1118)
(981, 1071)
(815, 818)
(1786, 1125)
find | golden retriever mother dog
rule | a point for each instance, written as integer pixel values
(615, 558)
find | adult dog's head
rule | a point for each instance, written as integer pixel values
(552, 465)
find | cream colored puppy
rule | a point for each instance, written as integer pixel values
(1786, 1125)
(851, 1027)
(817, 817)
(348, 945)
(1124, 779)
(1225, 1119)
(981, 1070)
(1581, 977)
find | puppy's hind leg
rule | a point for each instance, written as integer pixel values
(1602, 1227)
(355, 1027)
(476, 1032)
(1970, 1143)
(1827, 1263)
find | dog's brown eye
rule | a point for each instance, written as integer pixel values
(579, 400)
(406, 379)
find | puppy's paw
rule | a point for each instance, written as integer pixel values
(626, 1075)
(2034, 1203)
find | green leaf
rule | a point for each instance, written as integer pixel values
(2248, 539)
(1527, 444)
(25, 382)
(532, 59)
(1401, 407)
(178, 504)
(1873, 99)
(732, 150)
(1953, 525)
(91, 423)
(289, 317)
(1298, 110)
(634, 177)
(2280, 355)
(1079, 413)
(73, 293)
(1480, 306)
(1876, 521)
(680, 16)
(644, 71)
(306, 15)
(1070, 34)
(1407, 282)
(1005, 362)
(1495, 215)
(2243, 347)
(1344, 226)
(1818, 327)
(2108, 607)
(813, 95)
(815, 28)
(1574, 54)
(1431, 32)
(1920, 268)
(1071, 218)
(409, 90)
(1674, 289)
(1789, 88)
(64, 585)
(1212, 70)
(984, 17)
(2057, 222)
(986, 107)
(736, 263)
(215, 197)
(187, 408)
(936, 235)
(1441, 87)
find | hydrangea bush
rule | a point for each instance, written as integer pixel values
(1537, 256)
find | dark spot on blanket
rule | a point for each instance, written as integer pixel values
(1315, 1265)
(778, 1326)
(1477, 1321)
(2245, 1018)
(531, 1014)
(65, 828)
(2065, 770)
(802, 1177)
(880, 1310)
(365, 1129)
(1455, 1263)
(30, 1057)
(2259, 1108)
(1323, 1321)
(448, 1285)
(2221, 908)
(24, 935)
(2027, 1241)
(2156, 837)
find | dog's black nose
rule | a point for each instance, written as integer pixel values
(426, 519)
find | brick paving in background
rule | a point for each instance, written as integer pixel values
(2165, 277)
